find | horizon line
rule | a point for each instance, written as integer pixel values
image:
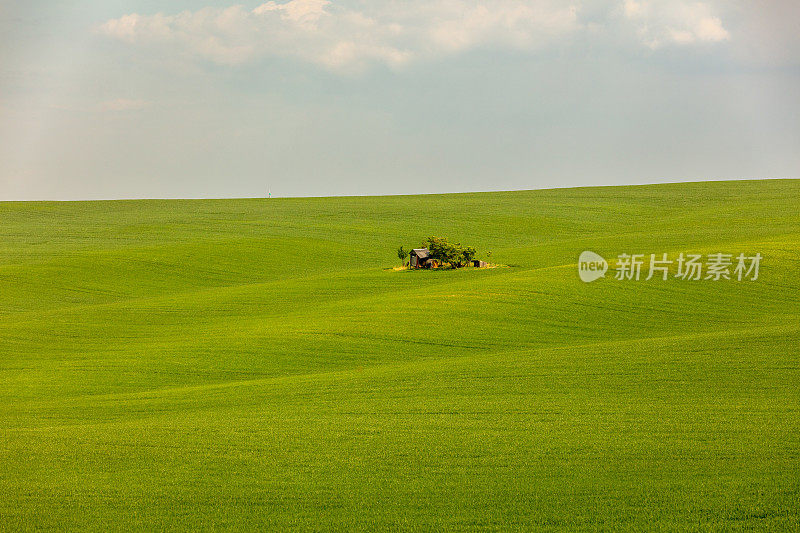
(391, 195)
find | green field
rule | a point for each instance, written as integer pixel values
(257, 364)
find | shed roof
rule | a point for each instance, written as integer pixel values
(421, 253)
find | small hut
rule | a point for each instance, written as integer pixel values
(419, 257)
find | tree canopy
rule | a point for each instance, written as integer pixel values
(453, 254)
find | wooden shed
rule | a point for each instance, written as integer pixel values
(419, 257)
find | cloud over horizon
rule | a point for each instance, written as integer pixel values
(344, 39)
(663, 23)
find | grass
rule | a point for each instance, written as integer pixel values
(257, 364)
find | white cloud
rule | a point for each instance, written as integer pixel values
(340, 39)
(304, 12)
(397, 33)
(669, 22)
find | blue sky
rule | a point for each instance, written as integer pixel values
(133, 99)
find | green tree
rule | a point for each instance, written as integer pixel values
(402, 254)
(467, 255)
(440, 250)
(450, 253)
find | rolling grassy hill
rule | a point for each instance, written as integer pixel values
(251, 364)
